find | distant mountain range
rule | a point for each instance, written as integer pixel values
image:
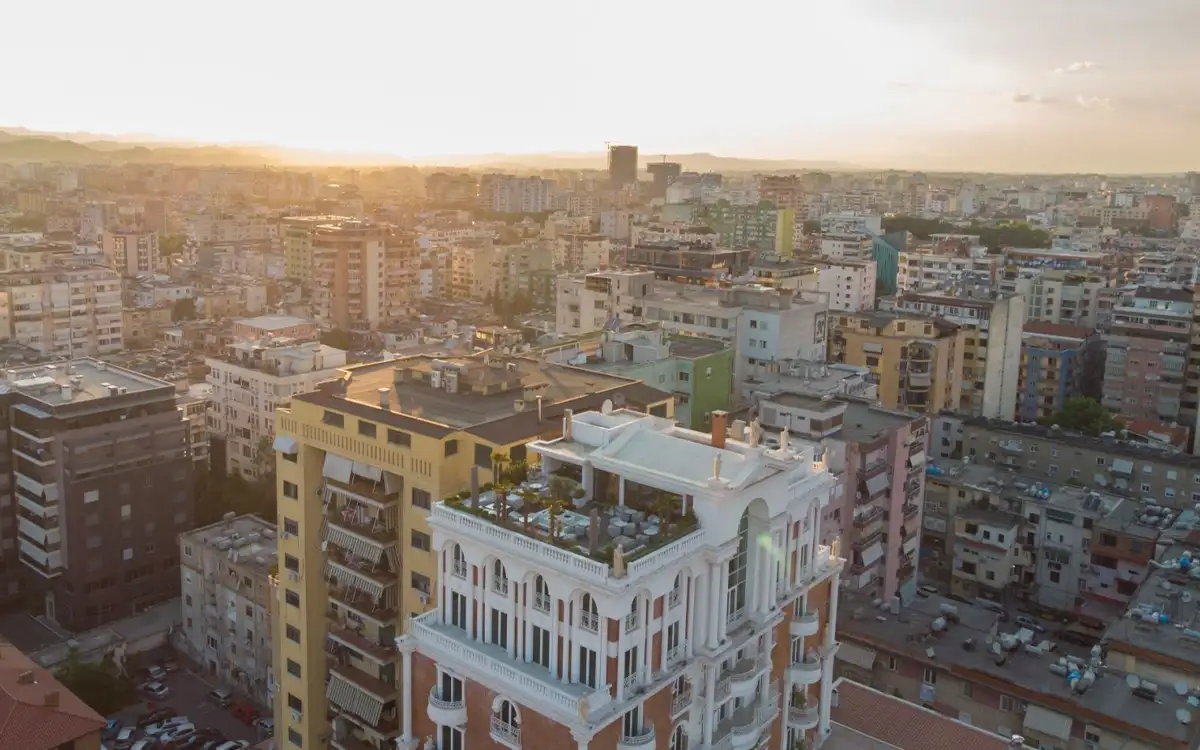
(21, 144)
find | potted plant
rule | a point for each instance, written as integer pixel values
(556, 509)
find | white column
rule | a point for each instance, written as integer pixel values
(689, 617)
(722, 607)
(569, 668)
(582, 739)
(512, 618)
(553, 635)
(826, 694)
(476, 616)
(621, 491)
(526, 627)
(714, 604)
(407, 698)
(831, 626)
(647, 667)
(710, 703)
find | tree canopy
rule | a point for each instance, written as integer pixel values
(98, 684)
(1086, 415)
(27, 223)
(183, 309)
(171, 244)
(997, 237)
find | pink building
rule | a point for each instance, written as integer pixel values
(878, 456)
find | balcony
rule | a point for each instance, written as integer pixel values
(348, 633)
(743, 677)
(505, 733)
(644, 738)
(528, 684)
(805, 625)
(363, 700)
(743, 728)
(910, 511)
(590, 621)
(374, 493)
(680, 702)
(805, 672)
(376, 609)
(447, 712)
(869, 520)
(803, 718)
(866, 540)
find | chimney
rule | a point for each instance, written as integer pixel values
(383, 398)
(539, 405)
(25, 678)
(51, 699)
(719, 428)
(567, 415)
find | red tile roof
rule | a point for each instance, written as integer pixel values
(904, 725)
(36, 711)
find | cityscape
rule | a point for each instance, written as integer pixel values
(349, 404)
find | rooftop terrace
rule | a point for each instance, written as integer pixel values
(80, 380)
(251, 537)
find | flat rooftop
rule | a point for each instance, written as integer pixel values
(691, 347)
(274, 322)
(864, 423)
(997, 480)
(912, 633)
(1172, 591)
(485, 401)
(251, 536)
(62, 383)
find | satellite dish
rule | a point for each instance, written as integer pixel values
(1181, 688)
(1184, 716)
(1193, 701)
(607, 406)
(1132, 681)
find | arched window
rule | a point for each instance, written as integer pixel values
(675, 595)
(508, 714)
(679, 739)
(459, 567)
(589, 619)
(499, 578)
(541, 594)
(506, 723)
(735, 595)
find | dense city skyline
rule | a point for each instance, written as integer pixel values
(944, 86)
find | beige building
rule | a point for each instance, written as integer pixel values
(130, 251)
(63, 311)
(363, 275)
(916, 359)
(296, 233)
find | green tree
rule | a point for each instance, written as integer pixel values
(97, 684)
(27, 223)
(812, 226)
(183, 309)
(1086, 415)
(171, 244)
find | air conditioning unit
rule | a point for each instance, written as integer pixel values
(286, 535)
(296, 715)
(293, 576)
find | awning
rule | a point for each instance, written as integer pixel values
(355, 545)
(337, 468)
(1047, 722)
(349, 697)
(1121, 466)
(910, 545)
(917, 459)
(350, 578)
(285, 444)
(920, 379)
(367, 471)
(877, 484)
(872, 554)
(859, 656)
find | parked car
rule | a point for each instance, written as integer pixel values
(246, 713)
(161, 728)
(147, 744)
(178, 732)
(267, 725)
(221, 697)
(234, 745)
(111, 729)
(926, 591)
(154, 717)
(124, 739)
(156, 690)
(157, 673)
(1026, 621)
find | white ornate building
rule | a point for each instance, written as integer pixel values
(712, 626)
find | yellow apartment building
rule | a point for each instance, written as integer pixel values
(361, 460)
(916, 359)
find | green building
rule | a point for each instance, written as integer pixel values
(698, 371)
(761, 226)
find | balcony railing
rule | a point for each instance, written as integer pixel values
(911, 510)
(541, 602)
(459, 568)
(631, 622)
(590, 621)
(502, 731)
(500, 585)
(680, 702)
(673, 599)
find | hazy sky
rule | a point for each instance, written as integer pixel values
(1088, 85)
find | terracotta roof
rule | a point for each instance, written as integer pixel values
(904, 725)
(1058, 329)
(1177, 436)
(36, 711)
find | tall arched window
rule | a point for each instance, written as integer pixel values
(735, 594)
(499, 578)
(588, 617)
(679, 739)
(506, 723)
(459, 566)
(676, 594)
(541, 594)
